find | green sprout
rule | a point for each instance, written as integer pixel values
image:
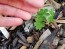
(44, 15)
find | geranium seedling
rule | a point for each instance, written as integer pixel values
(44, 15)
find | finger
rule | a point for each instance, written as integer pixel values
(20, 4)
(36, 3)
(7, 10)
(10, 21)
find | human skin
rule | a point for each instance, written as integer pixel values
(19, 10)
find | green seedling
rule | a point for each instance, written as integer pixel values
(44, 15)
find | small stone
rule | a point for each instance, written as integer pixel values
(30, 39)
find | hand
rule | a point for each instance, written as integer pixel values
(20, 9)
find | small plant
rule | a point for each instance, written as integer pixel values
(44, 15)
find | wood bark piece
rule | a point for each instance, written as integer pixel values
(15, 42)
(62, 47)
(62, 41)
(48, 42)
(4, 32)
(25, 44)
(62, 18)
(12, 28)
(60, 21)
(55, 41)
(55, 4)
(60, 15)
(54, 24)
(63, 10)
(21, 36)
(23, 47)
(42, 38)
(36, 35)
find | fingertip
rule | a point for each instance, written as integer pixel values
(23, 15)
(28, 17)
(36, 3)
(10, 21)
(18, 21)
